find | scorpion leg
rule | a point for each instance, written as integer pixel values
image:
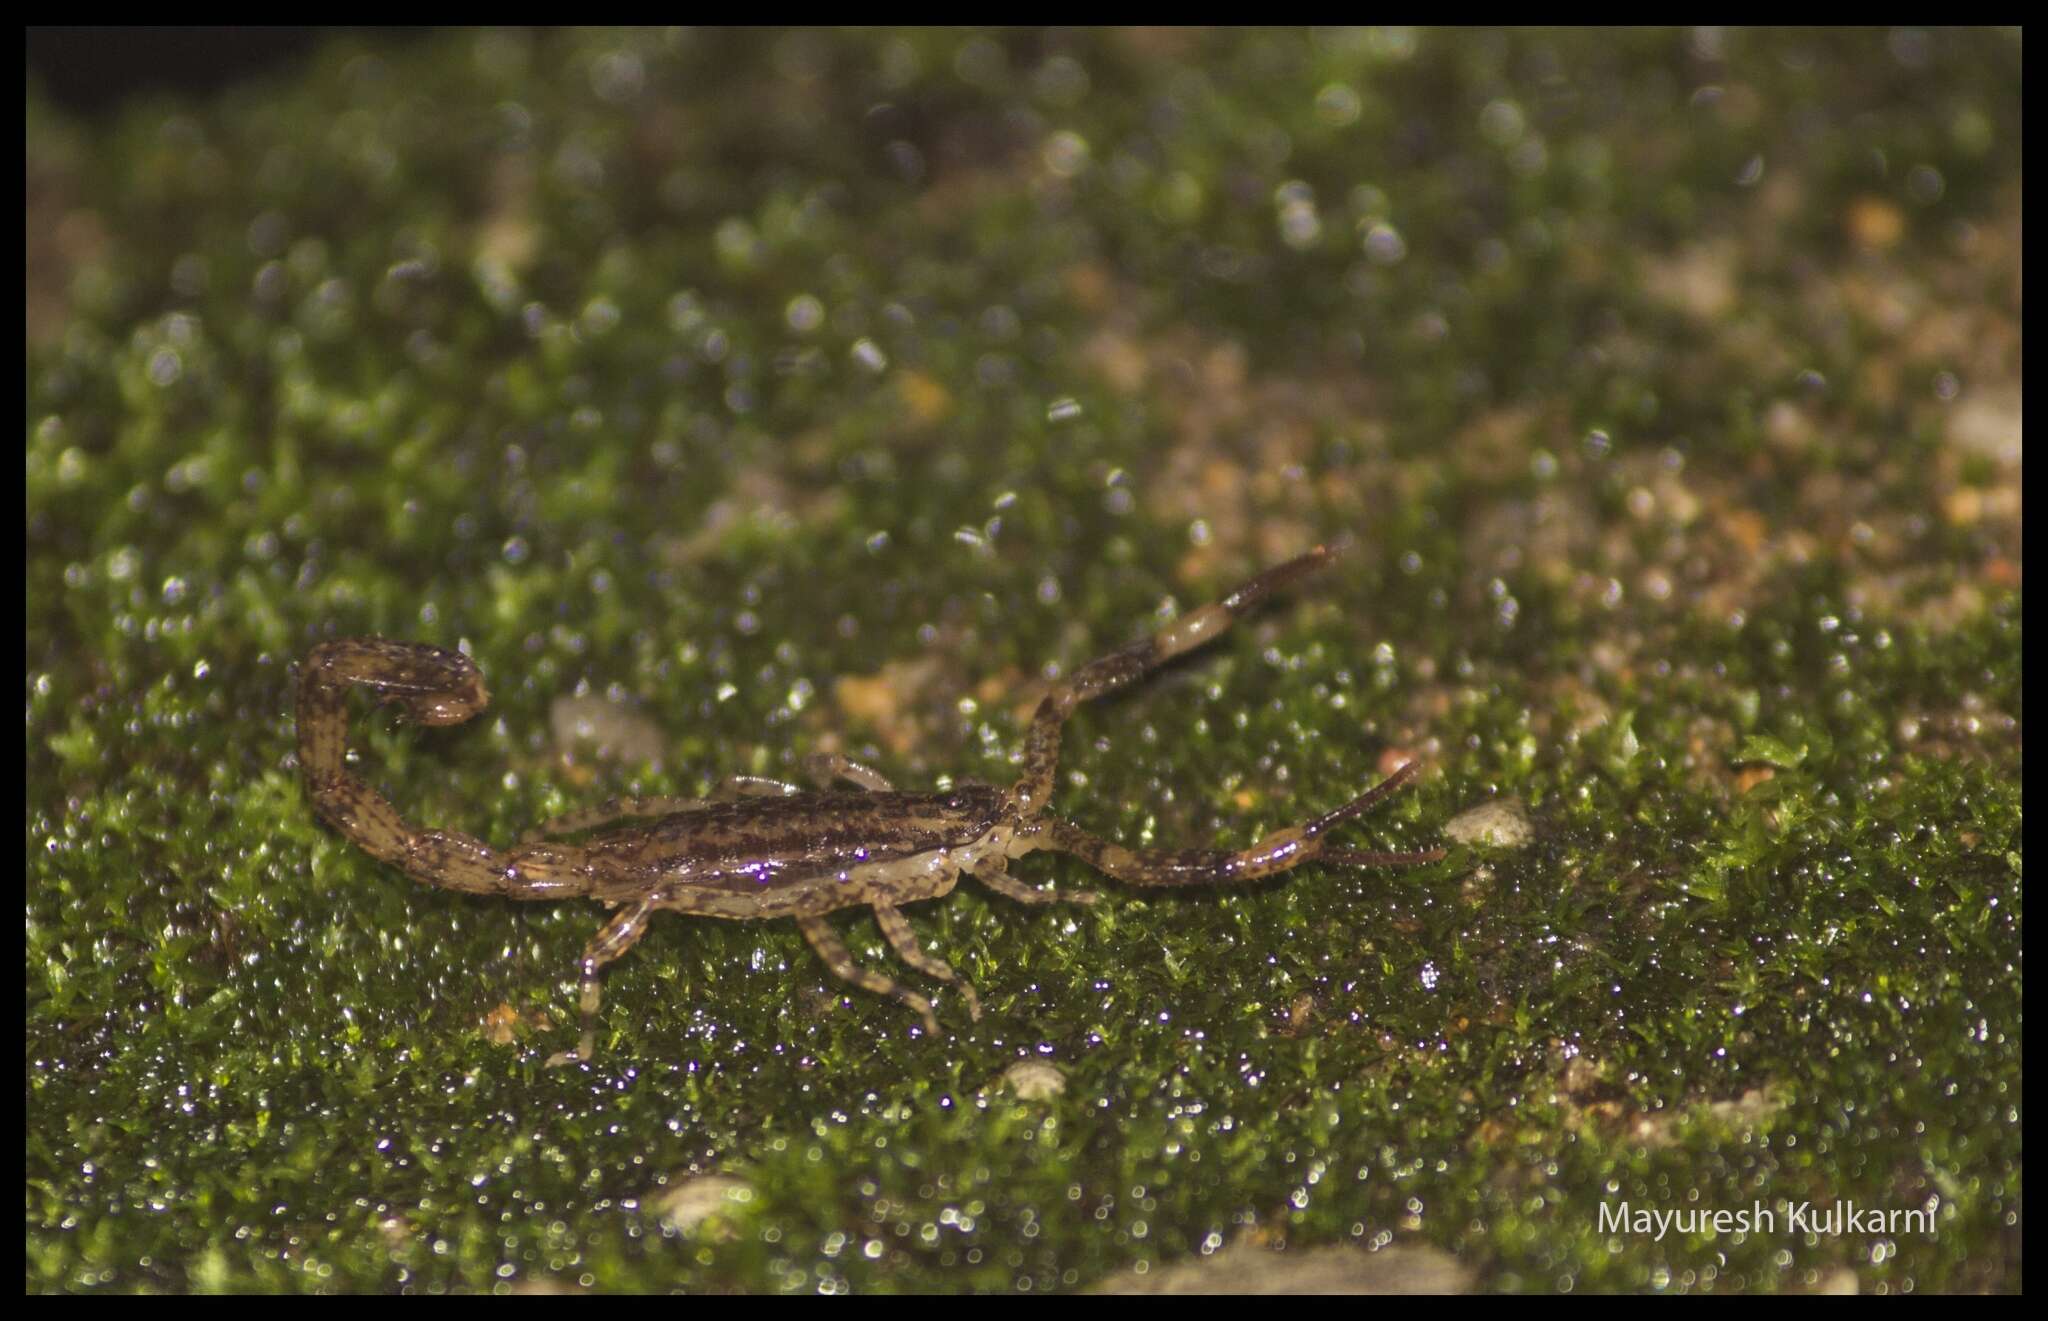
(753, 786)
(615, 809)
(618, 809)
(1280, 851)
(825, 767)
(997, 878)
(615, 937)
(1033, 791)
(903, 940)
(826, 941)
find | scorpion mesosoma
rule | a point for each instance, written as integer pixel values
(762, 848)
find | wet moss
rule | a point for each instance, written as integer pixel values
(1664, 386)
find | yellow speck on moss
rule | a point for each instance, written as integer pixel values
(501, 1025)
(1873, 222)
(924, 398)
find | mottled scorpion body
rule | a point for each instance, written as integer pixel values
(767, 849)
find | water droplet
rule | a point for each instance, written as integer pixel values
(867, 354)
(804, 314)
(1337, 105)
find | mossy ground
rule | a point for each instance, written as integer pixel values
(816, 390)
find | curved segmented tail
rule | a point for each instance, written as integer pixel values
(432, 686)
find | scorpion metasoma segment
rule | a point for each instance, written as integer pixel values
(762, 848)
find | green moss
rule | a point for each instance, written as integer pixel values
(1666, 383)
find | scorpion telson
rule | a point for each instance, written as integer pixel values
(762, 848)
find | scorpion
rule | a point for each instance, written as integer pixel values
(761, 848)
